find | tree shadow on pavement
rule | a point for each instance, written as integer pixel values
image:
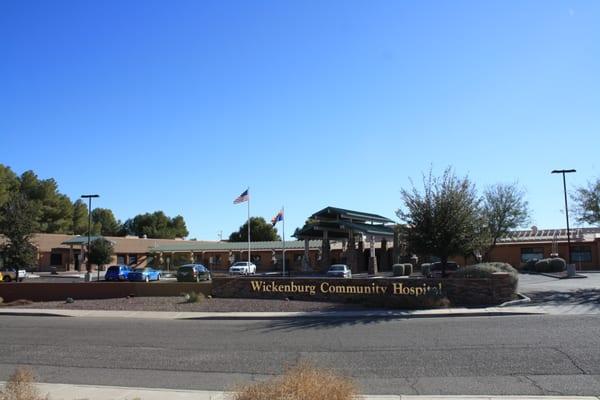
(291, 324)
(581, 296)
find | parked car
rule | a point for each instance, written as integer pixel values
(10, 274)
(339, 271)
(193, 273)
(117, 273)
(435, 269)
(143, 275)
(242, 268)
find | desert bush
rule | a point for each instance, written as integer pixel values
(542, 265)
(398, 269)
(550, 265)
(529, 265)
(193, 297)
(485, 270)
(302, 382)
(21, 386)
(557, 264)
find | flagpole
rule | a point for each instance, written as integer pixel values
(283, 251)
(249, 254)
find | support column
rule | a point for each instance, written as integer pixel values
(305, 257)
(70, 264)
(383, 260)
(372, 257)
(351, 255)
(326, 255)
(397, 249)
(361, 255)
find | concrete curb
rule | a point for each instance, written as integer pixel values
(58, 391)
(523, 300)
(168, 315)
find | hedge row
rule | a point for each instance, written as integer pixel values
(546, 265)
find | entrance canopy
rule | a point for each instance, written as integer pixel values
(340, 223)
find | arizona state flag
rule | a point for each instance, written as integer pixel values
(277, 218)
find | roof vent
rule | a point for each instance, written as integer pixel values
(145, 236)
(534, 230)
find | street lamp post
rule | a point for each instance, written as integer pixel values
(89, 197)
(563, 172)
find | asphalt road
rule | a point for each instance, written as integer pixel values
(516, 355)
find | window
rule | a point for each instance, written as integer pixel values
(581, 254)
(120, 259)
(133, 259)
(531, 253)
(55, 259)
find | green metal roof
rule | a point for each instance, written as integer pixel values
(233, 246)
(339, 229)
(334, 212)
(338, 222)
(82, 239)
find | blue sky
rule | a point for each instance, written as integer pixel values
(179, 106)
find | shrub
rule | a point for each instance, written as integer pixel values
(550, 265)
(557, 264)
(542, 265)
(21, 386)
(485, 270)
(529, 265)
(398, 269)
(193, 297)
(408, 269)
(302, 382)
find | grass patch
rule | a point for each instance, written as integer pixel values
(302, 382)
(21, 386)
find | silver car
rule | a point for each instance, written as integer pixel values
(339, 271)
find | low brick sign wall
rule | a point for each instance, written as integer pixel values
(410, 293)
(96, 290)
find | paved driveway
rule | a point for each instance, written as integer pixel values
(563, 296)
(540, 283)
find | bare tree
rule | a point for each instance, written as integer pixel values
(587, 203)
(503, 209)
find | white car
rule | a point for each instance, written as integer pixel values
(242, 268)
(339, 271)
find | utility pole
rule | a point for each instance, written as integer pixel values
(87, 259)
(563, 172)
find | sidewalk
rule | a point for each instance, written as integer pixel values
(57, 391)
(168, 315)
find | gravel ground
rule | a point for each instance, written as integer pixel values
(204, 305)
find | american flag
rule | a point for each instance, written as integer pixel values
(242, 197)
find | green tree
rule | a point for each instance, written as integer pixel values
(587, 203)
(101, 252)
(53, 210)
(105, 223)
(443, 218)
(80, 218)
(260, 231)
(503, 209)
(9, 183)
(18, 226)
(156, 226)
